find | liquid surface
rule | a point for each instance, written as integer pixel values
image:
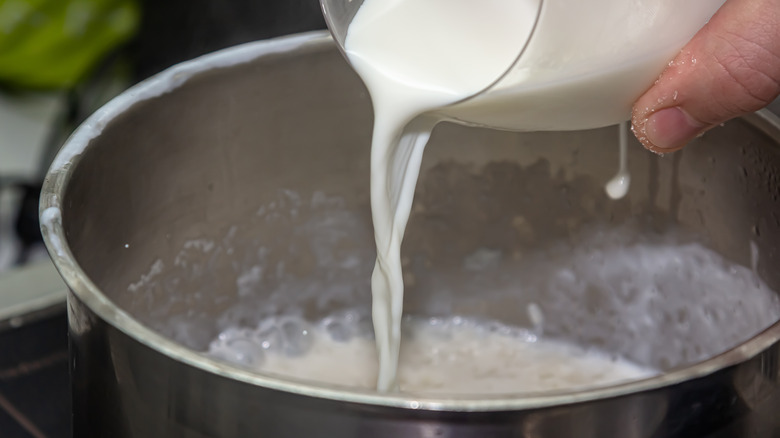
(614, 288)
(418, 58)
(438, 356)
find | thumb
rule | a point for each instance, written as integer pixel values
(730, 68)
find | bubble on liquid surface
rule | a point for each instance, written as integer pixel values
(238, 347)
(338, 329)
(298, 336)
(245, 351)
(270, 337)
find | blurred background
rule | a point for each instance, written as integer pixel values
(60, 60)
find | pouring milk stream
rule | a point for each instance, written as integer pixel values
(426, 61)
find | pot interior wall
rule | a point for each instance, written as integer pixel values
(244, 193)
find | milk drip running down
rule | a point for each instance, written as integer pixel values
(513, 64)
(618, 186)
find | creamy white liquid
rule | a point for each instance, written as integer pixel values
(439, 356)
(410, 68)
(422, 60)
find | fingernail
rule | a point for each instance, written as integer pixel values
(671, 128)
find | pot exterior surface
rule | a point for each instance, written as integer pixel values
(123, 388)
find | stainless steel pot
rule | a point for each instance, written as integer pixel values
(160, 202)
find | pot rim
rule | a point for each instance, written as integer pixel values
(60, 173)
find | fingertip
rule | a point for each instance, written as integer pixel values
(728, 69)
(639, 129)
(665, 129)
(670, 129)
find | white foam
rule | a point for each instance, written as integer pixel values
(51, 218)
(438, 356)
(658, 300)
(156, 269)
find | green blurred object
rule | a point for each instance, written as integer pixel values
(55, 43)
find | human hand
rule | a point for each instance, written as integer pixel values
(730, 68)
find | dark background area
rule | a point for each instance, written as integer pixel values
(176, 30)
